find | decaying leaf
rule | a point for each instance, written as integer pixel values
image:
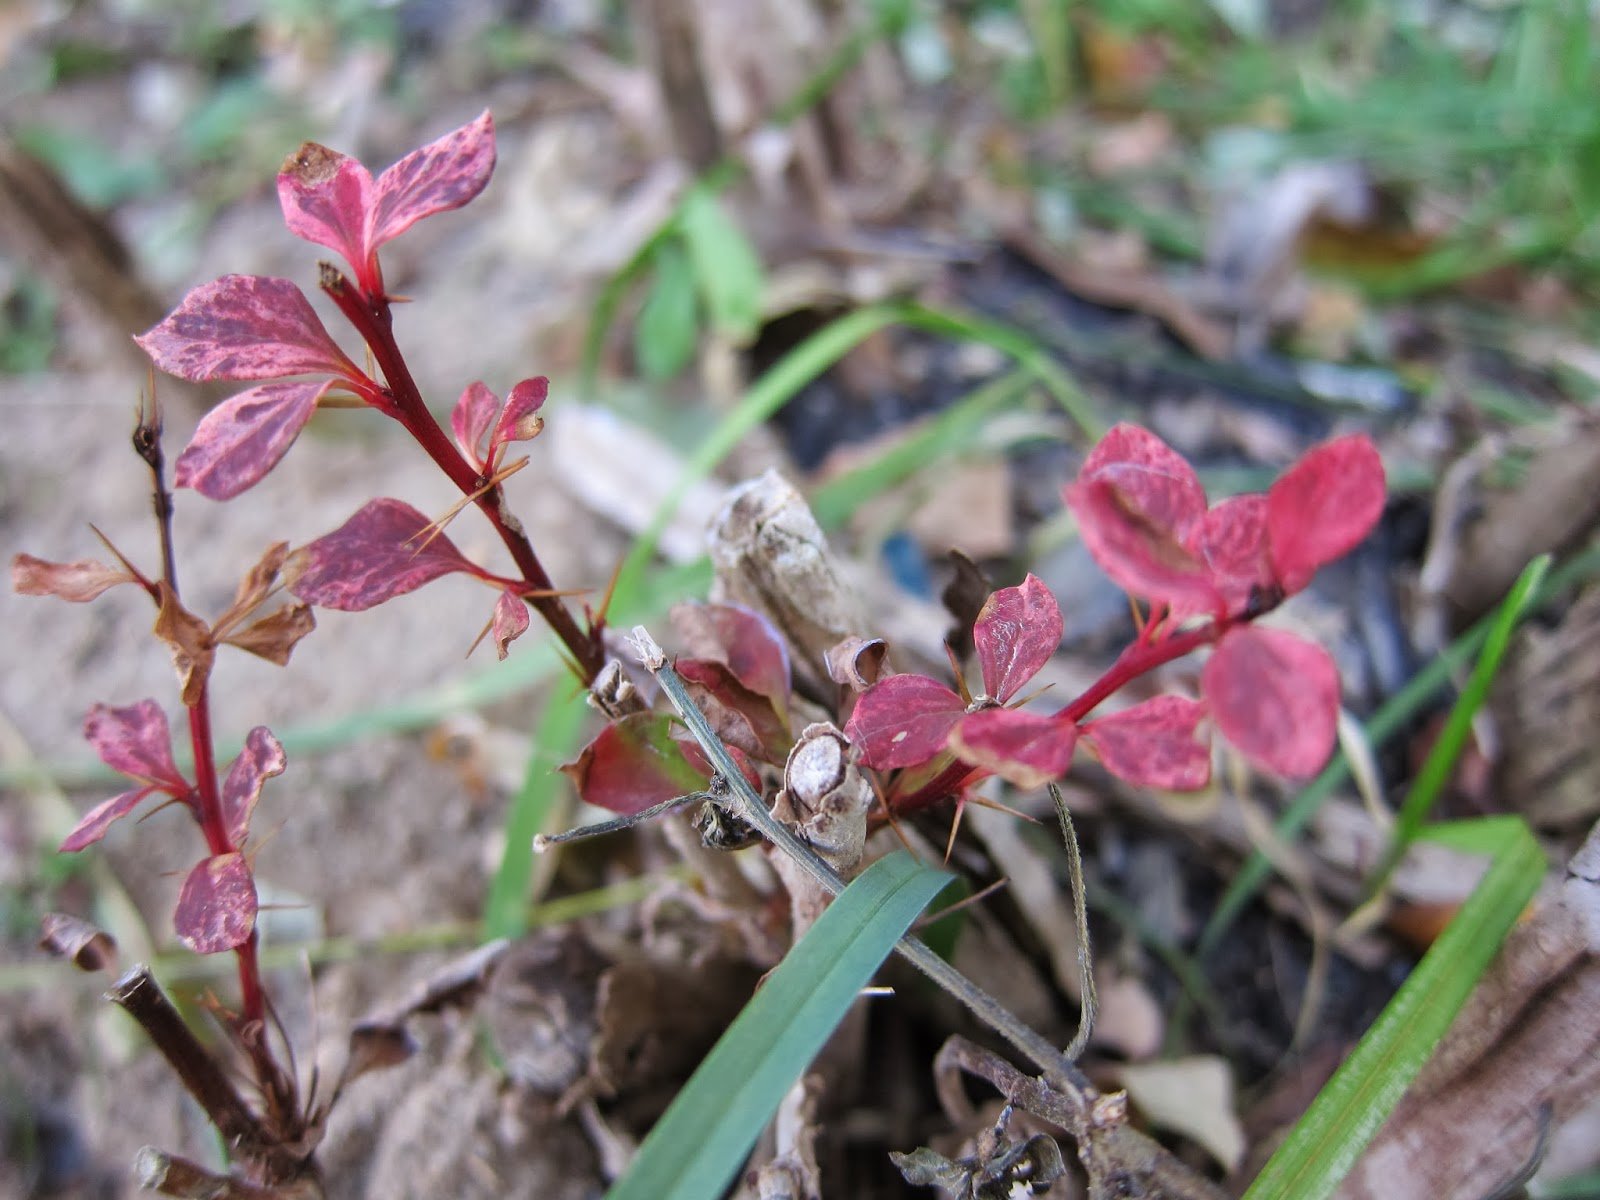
(274, 636)
(78, 581)
(85, 946)
(1192, 1096)
(189, 640)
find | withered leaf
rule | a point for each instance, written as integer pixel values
(189, 639)
(275, 635)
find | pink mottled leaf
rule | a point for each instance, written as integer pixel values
(444, 174)
(520, 419)
(243, 438)
(741, 717)
(741, 639)
(510, 621)
(75, 581)
(1275, 696)
(902, 721)
(1016, 632)
(1321, 508)
(1142, 556)
(245, 327)
(1231, 540)
(261, 759)
(1154, 744)
(217, 905)
(1153, 477)
(632, 764)
(327, 198)
(1021, 747)
(136, 741)
(382, 552)
(100, 818)
(471, 419)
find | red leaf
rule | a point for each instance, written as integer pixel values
(742, 640)
(740, 716)
(327, 198)
(261, 759)
(1022, 748)
(902, 721)
(75, 581)
(510, 621)
(217, 906)
(444, 174)
(1321, 508)
(136, 741)
(471, 418)
(520, 419)
(100, 818)
(382, 552)
(1142, 556)
(245, 327)
(1276, 697)
(1016, 632)
(1231, 540)
(1153, 477)
(632, 764)
(696, 758)
(241, 439)
(1154, 745)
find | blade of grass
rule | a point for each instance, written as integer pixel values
(1329, 1138)
(1452, 740)
(1391, 717)
(554, 741)
(704, 1137)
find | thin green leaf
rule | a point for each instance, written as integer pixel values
(554, 741)
(669, 323)
(726, 266)
(1440, 764)
(704, 1137)
(1329, 1138)
(1394, 715)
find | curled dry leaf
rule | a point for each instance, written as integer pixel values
(856, 662)
(510, 621)
(85, 946)
(189, 640)
(275, 635)
(78, 581)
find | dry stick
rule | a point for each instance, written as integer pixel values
(1031, 1044)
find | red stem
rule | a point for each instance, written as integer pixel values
(373, 320)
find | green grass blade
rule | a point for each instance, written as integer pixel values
(505, 911)
(1329, 1138)
(704, 1137)
(1452, 740)
(1391, 717)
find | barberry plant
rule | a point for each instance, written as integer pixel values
(1205, 573)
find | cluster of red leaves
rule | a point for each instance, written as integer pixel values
(217, 904)
(1143, 515)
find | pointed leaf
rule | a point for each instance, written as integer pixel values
(632, 764)
(327, 198)
(471, 419)
(726, 266)
(1154, 477)
(275, 635)
(241, 439)
(257, 582)
(1323, 507)
(1016, 632)
(1231, 540)
(93, 826)
(136, 741)
(261, 759)
(78, 581)
(743, 640)
(1154, 744)
(217, 905)
(1142, 556)
(1275, 696)
(444, 174)
(244, 327)
(510, 621)
(382, 552)
(1022, 748)
(902, 721)
(741, 717)
(520, 420)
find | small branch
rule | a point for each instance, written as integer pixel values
(1031, 1044)
(170, 1175)
(138, 994)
